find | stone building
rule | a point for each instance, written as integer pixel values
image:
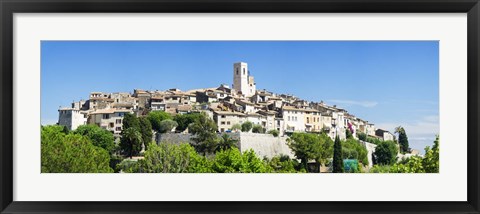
(242, 81)
(73, 117)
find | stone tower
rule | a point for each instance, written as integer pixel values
(242, 81)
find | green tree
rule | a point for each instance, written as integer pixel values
(205, 139)
(170, 158)
(258, 129)
(236, 127)
(166, 126)
(274, 132)
(362, 136)
(145, 131)
(415, 164)
(155, 117)
(282, 164)
(247, 126)
(431, 159)
(337, 156)
(183, 120)
(99, 137)
(131, 141)
(130, 120)
(348, 133)
(226, 142)
(352, 149)
(233, 161)
(386, 153)
(402, 139)
(309, 146)
(71, 153)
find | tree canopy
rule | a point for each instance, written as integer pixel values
(204, 134)
(402, 139)
(71, 153)
(309, 146)
(247, 126)
(170, 158)
(99, 137)
(166, 126)
(258, 129)
(386, 153)
(183, 120)
(145, 131)
(131, 141)
(274, 132)
(352, 149)
(155, 117)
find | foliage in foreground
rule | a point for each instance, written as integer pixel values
(308, 146)
(71, 153)
(415, 164)
(99, 137)
(171, 158)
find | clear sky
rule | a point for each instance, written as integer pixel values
(388, 83)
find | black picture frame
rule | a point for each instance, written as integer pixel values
(9, 7)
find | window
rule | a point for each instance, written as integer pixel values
(222, 130)
(243, 71)
(223, 122)
(110, 125)
(228, 122)
(118, 129)
(106, 116)
(118, 121)
(288, 118)
(237, 71)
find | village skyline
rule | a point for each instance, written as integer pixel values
(386, 104)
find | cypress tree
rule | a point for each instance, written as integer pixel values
(337, 156)
(402, 139)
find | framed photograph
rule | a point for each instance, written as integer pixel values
(239, 106)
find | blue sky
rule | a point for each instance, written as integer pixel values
(388, 83)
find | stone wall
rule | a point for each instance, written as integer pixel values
(174, 138)
(264, 145)
(370, 149)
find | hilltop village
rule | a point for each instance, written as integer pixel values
(226, 105)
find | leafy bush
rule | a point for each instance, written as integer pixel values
(155, 117)
(258, 129)
(236, 127)
(184, 120)
(274, 132)
(352, 149)
(166, 125)
(386, 153)
(232, 160)
(282, 164)
(247, 126)
(170, 158)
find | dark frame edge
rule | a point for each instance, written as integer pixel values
(6, 108)
(473, 150)
(7, 205)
